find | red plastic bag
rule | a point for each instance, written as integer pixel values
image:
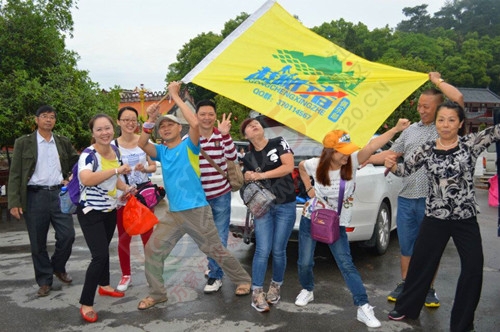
(137, 218)
(493, 191)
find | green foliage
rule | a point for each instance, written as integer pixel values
(239, 114)
(464, 16)
(188, 57)
(36, 69)
(419, 20)
(231, 25)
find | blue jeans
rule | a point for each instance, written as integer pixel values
(221, 210)
(342, 254)
(411, 212)
(272, 232)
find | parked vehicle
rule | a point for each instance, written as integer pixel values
(490, 160)
(375, 197)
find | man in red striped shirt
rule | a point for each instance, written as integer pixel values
(219, 146)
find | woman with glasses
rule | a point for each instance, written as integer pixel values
(141, 165)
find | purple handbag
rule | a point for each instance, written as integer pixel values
(325, 222)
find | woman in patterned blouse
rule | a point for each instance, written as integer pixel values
(451, 211)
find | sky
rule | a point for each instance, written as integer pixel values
(129, 43)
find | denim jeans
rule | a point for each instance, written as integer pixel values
(342, 254)
(272, 232)
(221, 210)
(411, 212)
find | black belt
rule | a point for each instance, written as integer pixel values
(37, 188)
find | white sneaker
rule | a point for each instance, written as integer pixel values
(213, 285)
(124, 283)
(304, 298)
(367, 316)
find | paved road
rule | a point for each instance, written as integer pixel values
(189, 309)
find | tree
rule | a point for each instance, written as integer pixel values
(36, 69)
(419, 20)
(231, 25)
(188, 57)
(191, 54)
(466, 16)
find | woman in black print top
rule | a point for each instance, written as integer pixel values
(451, 210)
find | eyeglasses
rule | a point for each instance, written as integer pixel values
(128, 120)
(45, 117)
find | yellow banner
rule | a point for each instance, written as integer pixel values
(276, 66)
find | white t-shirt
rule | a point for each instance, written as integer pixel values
(133, 157)
(330, 194)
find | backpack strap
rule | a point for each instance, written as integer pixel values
(92, 153)
(116, 148)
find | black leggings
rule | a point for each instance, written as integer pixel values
(431, 241)
(98, 229)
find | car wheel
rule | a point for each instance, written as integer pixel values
(382, 230)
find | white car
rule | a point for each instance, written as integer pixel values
(490, 160)
(375, 197)
(156, 177)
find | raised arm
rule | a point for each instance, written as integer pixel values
(379, 141)
(447, 89)
(194, 130)
(144, 143)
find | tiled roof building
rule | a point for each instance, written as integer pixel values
(480, 105)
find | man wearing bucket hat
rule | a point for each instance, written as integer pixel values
(338, 160)
(189, 211)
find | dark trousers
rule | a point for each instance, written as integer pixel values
(98, 229)
(431, 241)
(43, 210)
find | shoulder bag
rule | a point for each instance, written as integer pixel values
(255, 195)
(234, 174)
(325, 222)
(148, 193)
(257, 198)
